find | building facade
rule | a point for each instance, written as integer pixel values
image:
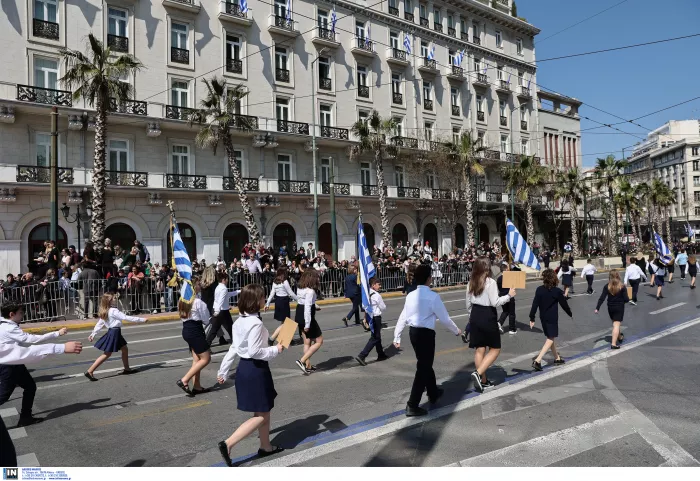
(399, 57)
(560, 130)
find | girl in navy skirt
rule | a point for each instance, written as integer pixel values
(194, 317)
(566, 274)
(255, 390)
(281, 291)
(548, 298)
(693, 267)
(113, 341)
(660, 275)
(309, 329)
(616, 293)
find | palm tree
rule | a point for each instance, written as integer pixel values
(95, 77)
(216, 118)
(657, 192)
(626, 197)
(606, 171)
(641, 193)
(373, 133)
(571, 186)
(526, 179)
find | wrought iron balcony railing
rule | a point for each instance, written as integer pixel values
(126, 179)
(179, 55)
(42, 175)
(338, 189)
(455, 110)
(408, 16)
(504, 121)
(363, 91)
(233, 65)
(494, 196)
(482, 78)
(364, 44)
(435, 146)
(398, 54)
(182, 181)
(245, 122)
(512, 157)
(325, 84)
(476, 40)
(40, 95)
(407, 142)
(437, 27)
(480, 116)
(451, 31)
(174, 112)
(423, 22)
(427, 104)
(504, 85)
(523, 125)
(464, 36)
(118, 43)
(394, 11)
(397, 98)
(235, 10)
(250, 184)
(430, 63)
(292, 127)
(282, 75)
(371, 190)
(282, 22)
(334, 133)
(44, 29)
(294, 186)
(441, 194)
(134, 107)
(410, 192)
(326, 34)
(457, 71)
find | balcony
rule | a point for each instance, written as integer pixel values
(44, 29)
(503, 121)
(441, 194)
(523, 125)
(493, 155)
(179, 55)
(408, 192)
(427, 104)
(371, 190)
(187, 114)
(397, 98)
(482, 80)
(338, 189)
(494, 196)
(394, 11)
(231, 12)
(249, 184)
(42, 175)
(455, 110)
(423, 22)
(334, 133)
(524, 92)
(325, 84)
(408, 16)
(455, 73)
(282, 26)
(512, 158)
(39, 95)
(397, 56)
(189, 6)
(292, 127)
(126, 179)
(235, 66)
(282, 75)
(464, 36)
(363, 46)
(294, 186)
(245, 122)
(435, 146)
(481, 116)
(503, 5)
(133, 107)
(437, 27)
(452, 32)
(476, 40)
(406, 142)
(118, 43)
(324, 37)
(182, 181)
(363, 91)
(429, 66)
(503, 86)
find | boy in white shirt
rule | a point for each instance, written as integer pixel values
(587, 273)
(375, 340)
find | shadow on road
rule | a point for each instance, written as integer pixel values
(290, 435)
(77, 407)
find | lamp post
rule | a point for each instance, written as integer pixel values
(76, 218)
(313, 142)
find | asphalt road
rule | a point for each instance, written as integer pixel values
(638, 406)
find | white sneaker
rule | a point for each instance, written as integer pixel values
(512, 332)
(633, 303)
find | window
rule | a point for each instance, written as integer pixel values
(325, 170)
(455, 135)
(502, 107)
(281, 8)
(45, 73)
(361, 76)
(394, 3)
(238, 159)
(504, 143)
(430, 181)
(363, 116)
(696, 165)
(365, 177)
(697, 211)
(424, 49)
(463, 26)
(437, 19)
(499, 72)
(282, 108)
(43, 150)
(398, 126)
(696, 196)
(233, 47)
(117, 20)
(479, 103)
(322, 18)
(476, 32)
(524, 149)
(178, 35)
(428, 131)
(521, 79)
(399, 176)
(396, 83)
(695, 150)
(407, 7)
(480, 137)
(281, 58)
(394, 40)
(696, 181)
(423, 11)
(180, 160)
(454, 96)
(519, 46)
(451, 57)
(450, 21)
(477, 65)
(360, 29)
(499, 39)
(118, 155)
(46, 10)
(325, 116)
(427, 90)
(523, 114)
(179, 93)
(324, 68)
(284, 167)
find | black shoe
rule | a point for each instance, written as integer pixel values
(301, 366)
(28, 421)
(382, 358)
(438, 395)
(620, 338)
(559, 362)
(345, 321)
(224, 454)
(222, 341)
(537, 366)
(275, 449)
(477, 382)
(658, 298)
(361, 360)
(614, 347)
(465, 338)
(415, 411)
(184, 387)
(513, 331)
(90, 376)
(487, 383)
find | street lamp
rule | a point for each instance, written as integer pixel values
(76, 218)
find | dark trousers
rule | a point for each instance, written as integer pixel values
(8, 456)
(375, 339)
(423, 342)
(589, 279)
(508, 311)
(356, 301)
(683, 267)
(90, 296)
(635, 287)
(10, 378)
(222, 320)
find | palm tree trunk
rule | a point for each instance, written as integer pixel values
(255, 238)
(381, 185)
(97, 223)
(469, 208)
(613, 229)
(574, 228)
(530, 222)
(638, 227)
(668, 230)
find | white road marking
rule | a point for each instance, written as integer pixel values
(28, 461)
(156, 400)
(17, 433)
(534, 398)
(144, 340)
(392, 427)
(673, 306)
(7, 412)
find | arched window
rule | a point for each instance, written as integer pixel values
(369, 235)
(325, 240)
(189, 238)
(121, 235)
(399, 233)
(284, 235)
(38, 236)
(430, 235)
(459, 236)
(235, 238)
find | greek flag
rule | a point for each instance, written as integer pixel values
(244, 6)
(369, 37)
(182, 264)
(662, 249)
(288, 10)
(528, 82)
(691, 232)
(458, 58)
(367, 271)
(407, 43)
(509, 77)
(518, 248)
(334, 19)
(431, 53)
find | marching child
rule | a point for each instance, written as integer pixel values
(587, 273)
(617, 297)
(548, 298)
(305, 317)
(281, 291)
(508, 307)
(113, 341)
(375, 339)
(693, 267)
(566, 275)
(195, 316)
(659, 276)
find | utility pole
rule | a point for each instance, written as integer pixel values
(313, 143)
(53, 234)
(334, 231)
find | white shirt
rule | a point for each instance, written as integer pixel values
(200, 312)
(377, 303)
(422, 308)
(633, 272)
(76, 273)
(16, 354)
(307, 298)
(220, 264)
(488, 297)
(221, 298)
(280, 290)
(10, 333)
(253, 266)
(588, 270)
(249, 341)
(659, 271)
(114, 319)
(561, 273)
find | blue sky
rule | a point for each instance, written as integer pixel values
(629, 83)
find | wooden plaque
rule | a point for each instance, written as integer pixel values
(286, 335)
(514, 279)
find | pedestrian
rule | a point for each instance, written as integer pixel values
(566, 274)
(12, 376)
(305, 317)
(194, 316)
(617, 297)
(670, 268)
(633, 277)
(482, 301)
(282, 292)
(421, 309)
(410, 284)
(548, 298)
(651, 269)
(693, 267)
(112, 341)
(508, 307)
(222, 309)
(352, 292)
(546, 258)
(659, 276)
(208, 283)
(682, 261)
(588, 273)
(375, 340)
(255, 389)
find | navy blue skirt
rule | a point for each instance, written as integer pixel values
(113, 341)
(282, 310)
(567, 280)
(483, 325)
(659, 281)
(193, 334)
(255, 390)
(314, 328)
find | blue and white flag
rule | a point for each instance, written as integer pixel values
(244, 6)
(288, 8)
(518, 248)
(183, 265)
(691, 232)
(431, 53)
(457, 59)
(367, 271)
(662, 249)
(334, 19)
(511, 73)
(369, 36)
(528, 82)
(407, 43)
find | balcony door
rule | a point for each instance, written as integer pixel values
(43, 150)
(118, 156)
(46, 10)
(117, 22)
(178, 36)
(180, 160)
(326, 116)
(365, 174)
(284, 167)
(45, 73)
(179, 93)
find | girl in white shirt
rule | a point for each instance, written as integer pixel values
(305, 316)
(255, 390)
(194, 317)
(282, 292)
(113, 341)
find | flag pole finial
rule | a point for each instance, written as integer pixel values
(170, 205)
